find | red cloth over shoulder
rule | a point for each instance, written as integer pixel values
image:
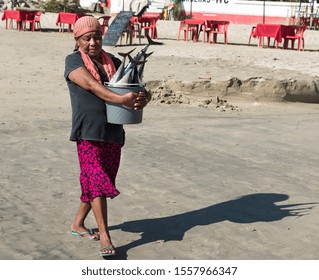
(107, 63)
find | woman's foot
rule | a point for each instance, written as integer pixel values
(107, 249)
(84, 232)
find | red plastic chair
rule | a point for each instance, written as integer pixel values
(208, 26)
(252, 34)
(132, 31)
(187, 30)
(299, 35)
(34, 20)
(221, 28)
(182, 28)
(29, 18)
(37, 20)
(104, 21)
(152, 14)
(149, 24)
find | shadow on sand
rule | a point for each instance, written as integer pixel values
(246, 209)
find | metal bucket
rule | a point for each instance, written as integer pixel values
(118, 114)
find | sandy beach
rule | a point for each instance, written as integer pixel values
(199, 179)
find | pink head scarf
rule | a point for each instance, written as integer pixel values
(84, 25)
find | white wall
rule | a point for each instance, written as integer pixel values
(241, 7)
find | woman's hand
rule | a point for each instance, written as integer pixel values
(136, 101)
(143, 98)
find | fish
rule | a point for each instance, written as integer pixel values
(132, 73)
(131, 65)
(119, 73)
(141, 68)
(135, 76)
(128, 78)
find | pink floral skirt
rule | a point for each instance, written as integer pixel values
(99, 164)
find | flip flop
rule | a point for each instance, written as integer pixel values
(95, 233)
(108, 248)
(81, 234)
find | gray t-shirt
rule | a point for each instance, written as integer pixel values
(89, 119)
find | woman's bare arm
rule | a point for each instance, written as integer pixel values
(84, 79)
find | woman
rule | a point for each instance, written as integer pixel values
(98, 142)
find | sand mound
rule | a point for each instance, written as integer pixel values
(256, 88)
